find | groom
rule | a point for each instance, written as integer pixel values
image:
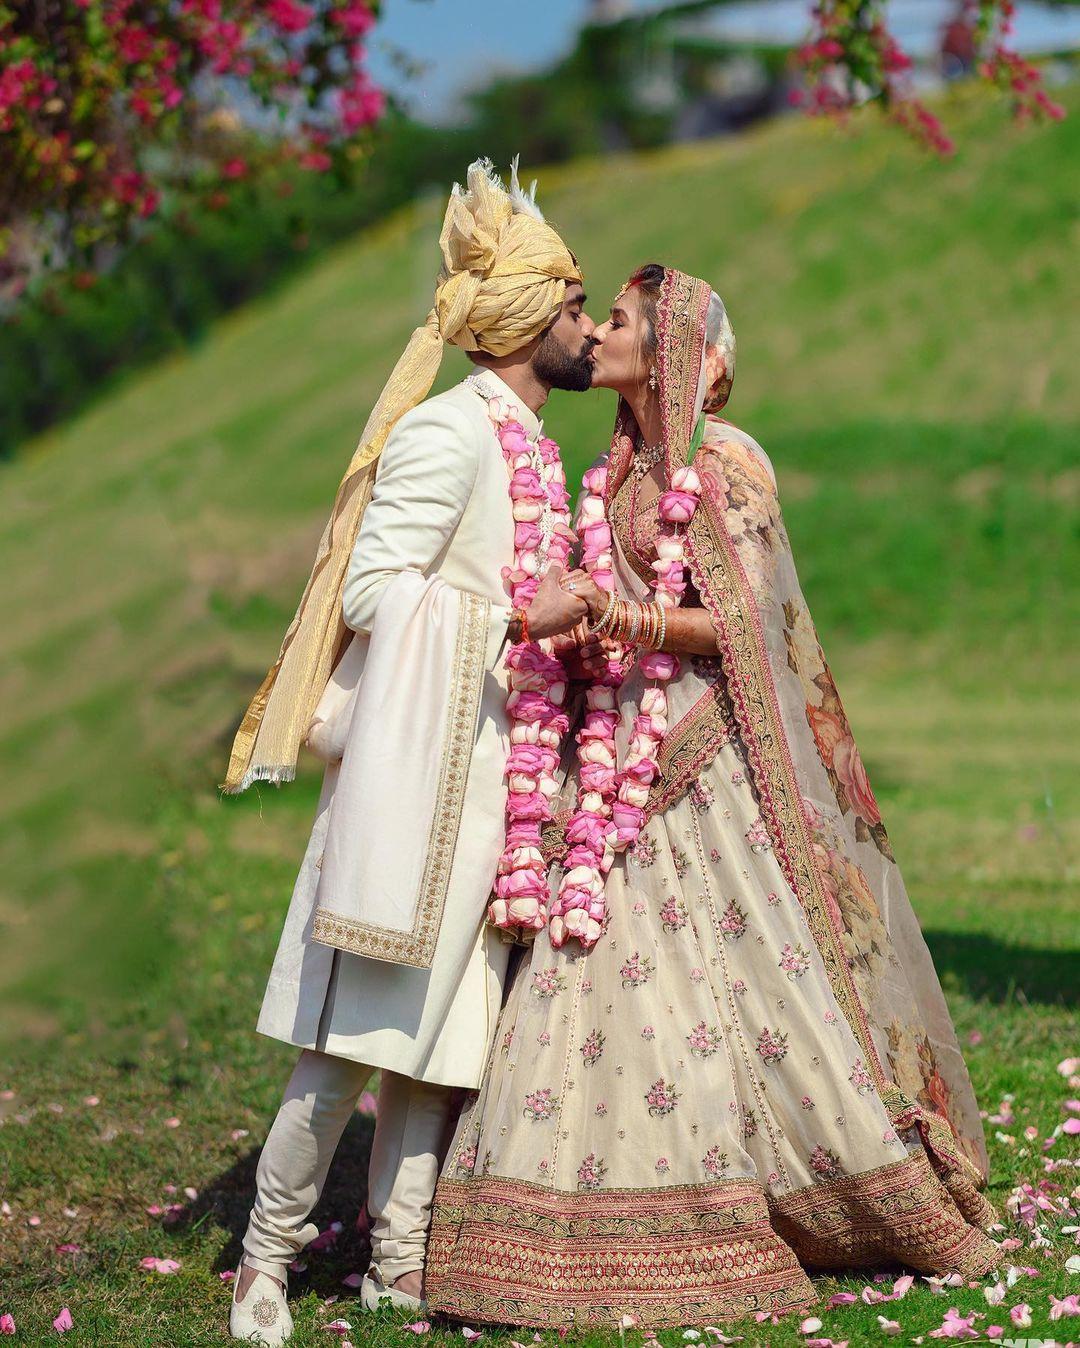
(357, 996)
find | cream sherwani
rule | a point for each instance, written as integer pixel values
(440, 505)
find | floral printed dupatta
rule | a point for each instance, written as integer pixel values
(815, 798)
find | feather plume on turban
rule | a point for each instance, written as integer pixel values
(502, 282)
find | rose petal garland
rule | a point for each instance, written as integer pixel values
(611, 802)
(538, 679)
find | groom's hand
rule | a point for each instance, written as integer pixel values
(554, 609)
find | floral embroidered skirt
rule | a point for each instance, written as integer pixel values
(679, 1124)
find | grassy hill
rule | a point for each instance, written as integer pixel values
(907, 356)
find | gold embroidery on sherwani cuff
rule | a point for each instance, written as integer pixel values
(898, 1213)
(507, 1251)
(417, 946)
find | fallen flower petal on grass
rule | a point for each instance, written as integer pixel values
(153, 1264)
(888, 1326)
(338, 1326)
(7, 1324)
(63, 1322)
(1021, 1315)
(1066, 1306)
(352, 1279)
(470, 1334)
(841, 1299)
(227, 1275)
(420, 1327)
(69, 1249)
(810, 1325)
(956, 1326)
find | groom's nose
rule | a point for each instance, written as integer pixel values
(588, 327)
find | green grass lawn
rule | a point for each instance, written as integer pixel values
(907, 357)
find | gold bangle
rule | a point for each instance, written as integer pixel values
(605, 618)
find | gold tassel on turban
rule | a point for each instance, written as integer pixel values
(502, 283)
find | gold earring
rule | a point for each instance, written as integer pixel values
(654, 383)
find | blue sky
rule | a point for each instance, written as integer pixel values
(465, 41)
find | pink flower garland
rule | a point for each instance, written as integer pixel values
(610, 805)
(538, 679)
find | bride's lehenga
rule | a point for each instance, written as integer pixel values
(681, 1122)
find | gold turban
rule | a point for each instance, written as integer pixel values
(502, 283)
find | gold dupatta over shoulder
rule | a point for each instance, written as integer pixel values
(816, 800)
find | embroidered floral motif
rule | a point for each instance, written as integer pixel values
(637, 971)
(807, 1103)
(465, 1160)
(540, 1105)
(648, 1033)
(750, 1124)
(758, 837)
(640, 907)
(543, 1038)
(673, 914)
(824, 1163)
(697, 975)
(860, 1078)
(714, 854)
(593, 1048)
(591, 1172)
(507, 1040)
(643, 852)
(794, 962)
(662, 1097)
(733, 921)
(772, 1045)
(702, 795)
(663, 1165)
(704, 1040)
(738, 987)
(715, 1162)
(265, 1312)
(737, 777)
(680, 861)
(548, 983)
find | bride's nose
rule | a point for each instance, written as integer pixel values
(599, 333)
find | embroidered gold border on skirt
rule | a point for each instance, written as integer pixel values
(510, 1252)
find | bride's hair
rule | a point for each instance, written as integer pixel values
(648, 280)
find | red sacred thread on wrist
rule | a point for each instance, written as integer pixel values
(524, 625)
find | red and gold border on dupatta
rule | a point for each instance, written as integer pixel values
(508, 1251)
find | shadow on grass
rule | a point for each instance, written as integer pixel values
(227, 1200)
(995, 971)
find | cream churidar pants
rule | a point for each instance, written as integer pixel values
(405, 1155)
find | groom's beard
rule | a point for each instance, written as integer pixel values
(557, 366)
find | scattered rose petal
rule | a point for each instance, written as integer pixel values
(994, 1295)
(423, 1326)
(692, 1334)
(888, 1326)
(367, 1104)
(353, 1279)
(172, 1123)
(810, 1325)
(91, 1100)
(1066, 1306)
(956, 1326)
(1072, 1264)
(33, 1221)
(841, 1299)
(7, 1324)
(627, 1321)
(1069, 1066)
(154, 1265)
(68, 1249)
(1021, 1315)
(227, 1274)
(470, 1334)
(63, 1321)
(238, 1133)
(1071, 1126)
(338, 1326)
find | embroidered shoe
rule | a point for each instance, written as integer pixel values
(374, 1292)
(263, 1315)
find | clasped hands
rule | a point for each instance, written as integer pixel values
(565, 605)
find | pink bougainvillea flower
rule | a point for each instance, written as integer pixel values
(63, 1321)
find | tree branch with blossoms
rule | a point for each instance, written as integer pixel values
(105, 105)
(853, 59)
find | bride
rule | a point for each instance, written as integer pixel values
(728, 1060)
